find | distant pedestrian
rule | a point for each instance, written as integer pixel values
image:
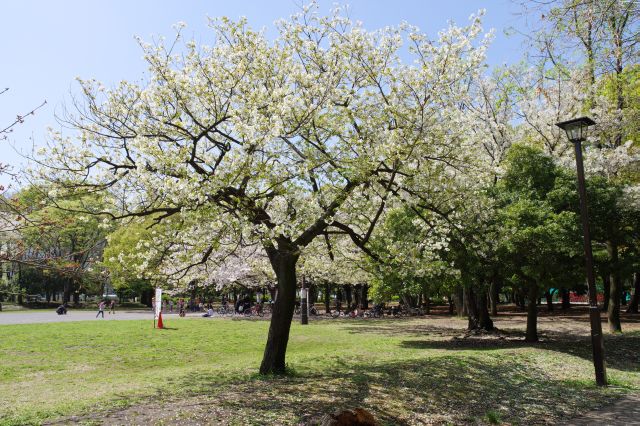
(101, 307)
(170, 306)
(112, 307)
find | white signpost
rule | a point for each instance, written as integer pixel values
(157, 308)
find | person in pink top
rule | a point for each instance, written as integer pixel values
(101, 308)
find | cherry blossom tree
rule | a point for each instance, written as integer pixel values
(277, 143)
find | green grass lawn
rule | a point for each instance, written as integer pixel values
(403, 371)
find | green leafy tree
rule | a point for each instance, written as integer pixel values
(538, 239)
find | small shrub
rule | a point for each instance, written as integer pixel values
(493, 417)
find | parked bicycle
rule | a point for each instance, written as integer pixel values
(224, 310)
(312, 311)
(255, 310)
(376, 312)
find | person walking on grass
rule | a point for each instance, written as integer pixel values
(112, 307)
(101, 307)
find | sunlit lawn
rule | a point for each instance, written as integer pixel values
(403, 371)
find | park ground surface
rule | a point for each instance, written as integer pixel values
(424, 370)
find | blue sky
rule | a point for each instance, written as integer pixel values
(46, 44)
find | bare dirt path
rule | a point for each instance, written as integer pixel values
(49, 315)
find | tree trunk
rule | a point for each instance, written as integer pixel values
(606, 281)
(458, 300)
(357, 295)
(494, 296)
(566, 298)
(284, 265)
(635, 299)
(408, 300)
(549, 296)
(313, 295)
(327, 298)
(483, 309)
(478, 313)
(365, 296)
(613, 309)
(347, 294)
(470, 307)
(532, 314)
(521, 299)
(66, 297)
(451, 306)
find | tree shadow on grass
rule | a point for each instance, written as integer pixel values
(621, 351)
(439, 390)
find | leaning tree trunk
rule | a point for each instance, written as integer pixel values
(635, 300)
(532, 313)
(613, 309)
(284, 265)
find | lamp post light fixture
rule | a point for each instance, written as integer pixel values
(576, 130)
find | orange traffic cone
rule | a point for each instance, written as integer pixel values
(160, 320)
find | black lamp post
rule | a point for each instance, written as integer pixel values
(576, 130)
(304, 310)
